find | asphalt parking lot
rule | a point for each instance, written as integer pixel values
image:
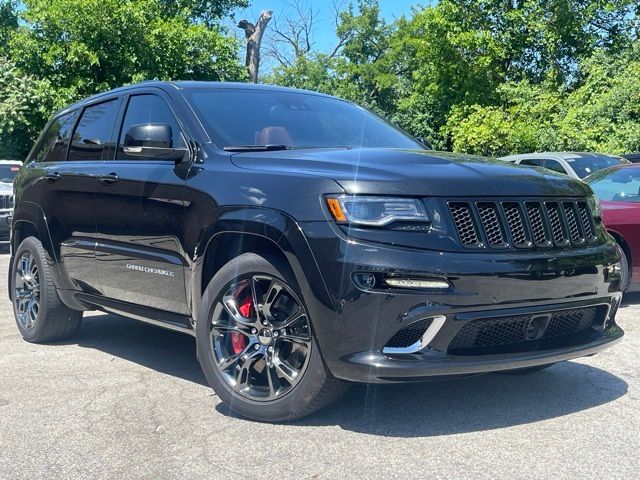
(126, 400)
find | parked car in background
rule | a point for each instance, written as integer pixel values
(8, 171)
(618, 189)
(574, 164)
(632, 157)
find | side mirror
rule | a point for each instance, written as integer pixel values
(152, 141)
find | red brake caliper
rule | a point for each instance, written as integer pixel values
(238, 340)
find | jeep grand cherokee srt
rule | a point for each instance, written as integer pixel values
(305, 243)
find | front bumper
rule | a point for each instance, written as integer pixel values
(353, 335)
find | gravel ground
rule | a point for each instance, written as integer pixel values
(126, 400)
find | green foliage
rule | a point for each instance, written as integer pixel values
(603, 114)
(479, 76)
(25, 104)
(8, 22)
(488, 76)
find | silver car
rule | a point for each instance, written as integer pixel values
(575, 164)
(8, 171)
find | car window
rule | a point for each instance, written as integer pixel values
(8, 172)
(235, 117)
(554, 165)
(618, 185)
(48, 140)
(148, 109)
(584, 166)
(58, 151)
(94, 131)
(531, 162)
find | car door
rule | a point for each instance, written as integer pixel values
(140, 209)
(67, 169)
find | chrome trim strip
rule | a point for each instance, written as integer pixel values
(428, 335)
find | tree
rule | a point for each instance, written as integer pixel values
(8, 22)
(63, 50)
(253, 34)
(25, 104)
(87, 46)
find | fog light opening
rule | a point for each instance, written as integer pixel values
(417, 283)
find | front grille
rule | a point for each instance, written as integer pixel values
(410, 334)
(542, 223)
(6, 201)
(515, 330)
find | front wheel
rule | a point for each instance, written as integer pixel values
(256, 345)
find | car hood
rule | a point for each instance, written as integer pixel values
(415, 172)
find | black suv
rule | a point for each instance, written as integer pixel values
(304, 242)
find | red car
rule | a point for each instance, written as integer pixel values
(618, 189)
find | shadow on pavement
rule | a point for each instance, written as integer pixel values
(162, 350)
(402, 410)
(631, 298)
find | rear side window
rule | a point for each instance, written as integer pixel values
(94, 131)
(53, 147)
(531, 162)
(148, 109)
(58, 152)
(555, 166)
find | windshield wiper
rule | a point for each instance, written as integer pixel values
(254, 148)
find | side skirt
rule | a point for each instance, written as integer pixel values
(153, 316)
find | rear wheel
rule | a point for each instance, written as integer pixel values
(39, 313)
(256, 345)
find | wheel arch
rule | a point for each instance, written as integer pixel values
(29, 220)
(624, 244)
(258, 230)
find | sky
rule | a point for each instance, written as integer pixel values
(325, 30)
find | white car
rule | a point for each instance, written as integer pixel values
(8, 171)
(574, 164)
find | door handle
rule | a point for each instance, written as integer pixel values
(53, 177)
(108, 179)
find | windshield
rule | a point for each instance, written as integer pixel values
(8, 173)
(585, 166)
(618, 185)
(295, 120)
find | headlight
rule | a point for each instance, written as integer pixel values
(376, 211)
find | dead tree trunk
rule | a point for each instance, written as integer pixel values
(253, 34)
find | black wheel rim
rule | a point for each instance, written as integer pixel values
(26, 294)
(261, 337)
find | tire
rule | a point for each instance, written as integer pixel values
(528, 370)
(249, 395)
(625, 271)
(52, 320)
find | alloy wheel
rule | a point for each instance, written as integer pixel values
(27, 290)
(261, 337)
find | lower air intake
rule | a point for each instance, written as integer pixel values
(476, 336)
(410, 334)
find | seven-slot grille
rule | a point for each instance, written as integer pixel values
(6, 201)
(523, 224)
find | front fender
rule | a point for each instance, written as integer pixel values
(280, 230)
